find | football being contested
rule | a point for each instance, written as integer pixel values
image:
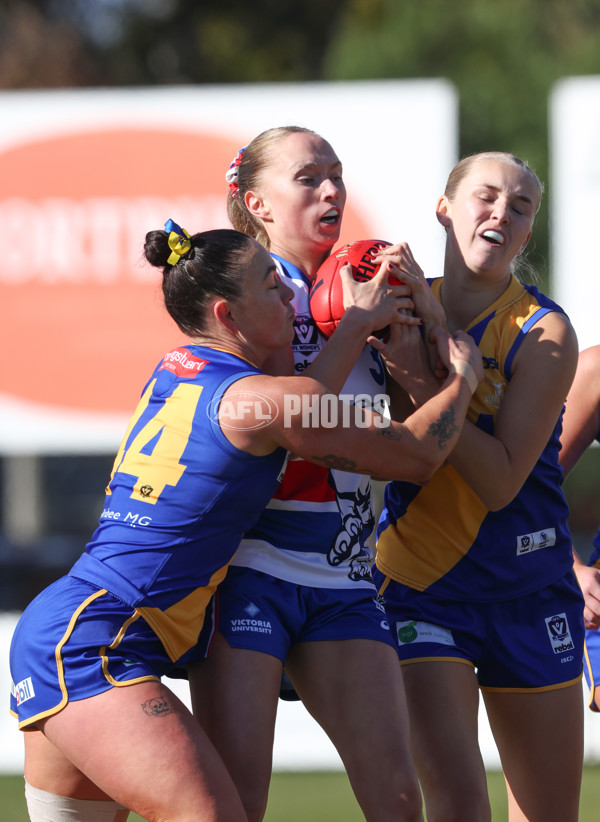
(326, 297)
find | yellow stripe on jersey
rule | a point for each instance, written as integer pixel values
(433, 536)
(179, 626)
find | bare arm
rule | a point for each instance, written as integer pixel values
(581, 421)
(412, 450)
(588, 577)
(406, 357)
(581, 425)
(496, 465)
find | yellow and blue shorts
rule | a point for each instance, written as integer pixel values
(75, 641)
(530, 643)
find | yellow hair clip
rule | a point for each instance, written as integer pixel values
(179, 241)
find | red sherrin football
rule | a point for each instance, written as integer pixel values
(326, 298)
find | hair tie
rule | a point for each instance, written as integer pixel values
(232, 174)
(179, 242)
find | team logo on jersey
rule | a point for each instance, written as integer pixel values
(559, 633)
(489, 362)
(23, 690)
(498, 388)
(526, 543)
(182, 363)
(244, 410)
(414, 631)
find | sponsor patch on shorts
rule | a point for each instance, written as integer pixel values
(23, 690)
(559, 633)
(527, 543)
(250, 624)
(413, 631)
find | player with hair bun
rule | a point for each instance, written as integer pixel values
(299, 591)
(196, 467)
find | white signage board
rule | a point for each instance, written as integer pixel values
(86, 173)
(575, 202)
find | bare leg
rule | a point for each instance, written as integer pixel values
(235, 694)
(140, 746)
(443, 705)
(540, 740)
(48, 768)
(353, 688)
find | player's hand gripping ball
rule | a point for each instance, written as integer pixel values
(326, 296)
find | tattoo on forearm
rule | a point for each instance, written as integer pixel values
(445, 428)
(157, 706)
(340, 463)
(390, 433)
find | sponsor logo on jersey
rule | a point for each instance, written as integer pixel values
(413, 631)
(23, 690)
(182, 363)
(526, 543)
(559, 633)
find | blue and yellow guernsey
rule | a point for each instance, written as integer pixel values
(180, 497)
(440, 537)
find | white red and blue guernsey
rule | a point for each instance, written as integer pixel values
(317, 529)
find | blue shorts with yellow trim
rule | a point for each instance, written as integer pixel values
(530, 643)
(75, 641)
(260, 612)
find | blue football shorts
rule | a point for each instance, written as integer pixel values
(74, 641)
(260, 612)
(530, 643)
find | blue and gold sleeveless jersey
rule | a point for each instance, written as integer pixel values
(440, 537)
(179, 498)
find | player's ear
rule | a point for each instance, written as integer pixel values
(442, 211)
(256, 205)
(221, 311)
(525, 242)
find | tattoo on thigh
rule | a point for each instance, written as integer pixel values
(157, 706)
(444, 428)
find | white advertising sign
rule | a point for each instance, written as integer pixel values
(85, 174)
(575, 202)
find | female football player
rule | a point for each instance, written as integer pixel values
(303, 572)
(476, 567)
(203, 454)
